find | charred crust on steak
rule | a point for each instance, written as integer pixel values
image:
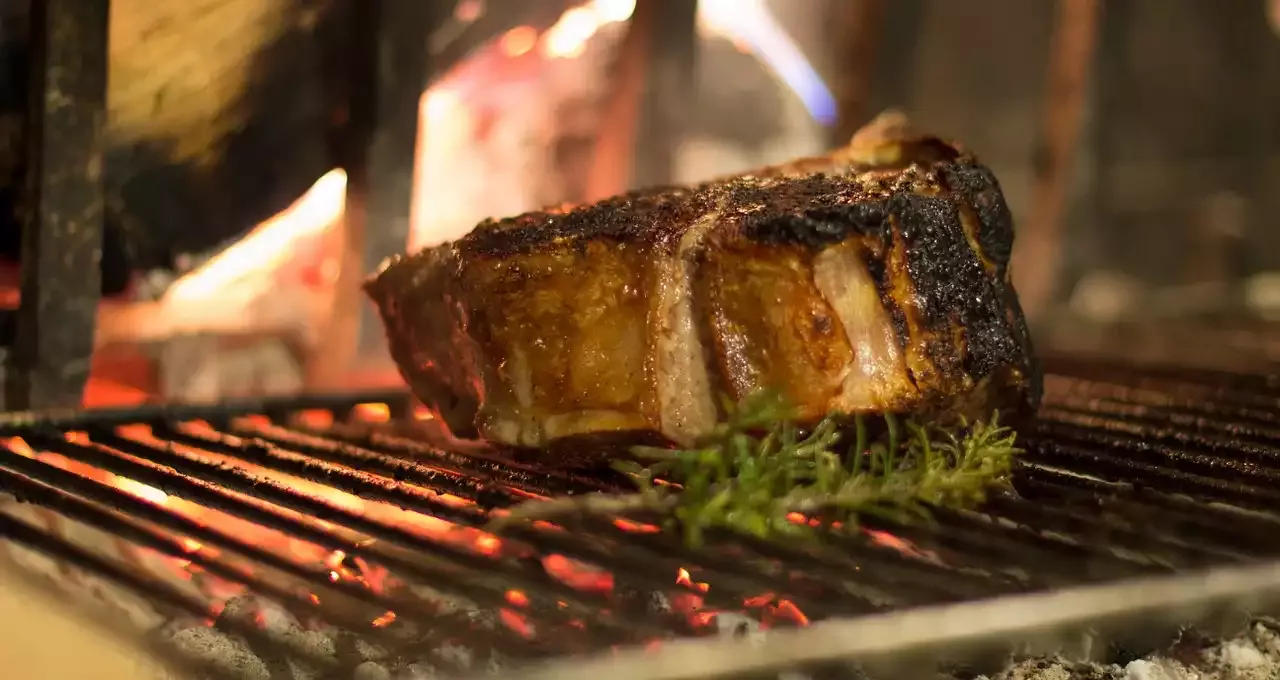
(874, 279)
(656, 214)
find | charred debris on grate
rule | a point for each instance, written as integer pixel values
(1126, 474)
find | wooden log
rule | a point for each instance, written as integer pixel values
(1038, 252)
(220, 113)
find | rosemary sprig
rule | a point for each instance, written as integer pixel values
(757, 467)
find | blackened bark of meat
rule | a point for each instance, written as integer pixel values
(953, 291)
(1022, 333)
(978, 185)
(623, 218)
(820, 226)
(927, 221)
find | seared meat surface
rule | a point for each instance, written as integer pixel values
(872, 280)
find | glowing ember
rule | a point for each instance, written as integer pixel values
(374, 413)
(349, 567)
(684, 579)
(517, 598)
(577, 574)
(902, 545)
(516, 622)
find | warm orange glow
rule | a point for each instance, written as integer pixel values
(569, 36)
(269, 244)
(578, 575)
(146, 493)
(902, 545)
(683, 578)
(614, 10)
(348, 567)
(317, 418)
(19, 446)
(517, 598)
(636, 527)
(518, 41)
(516, 622)
(375, 413)
(468, 10)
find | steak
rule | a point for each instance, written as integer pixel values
(872, 280)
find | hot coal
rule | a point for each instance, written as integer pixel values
(287, 647)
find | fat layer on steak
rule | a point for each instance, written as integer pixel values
(875, 279)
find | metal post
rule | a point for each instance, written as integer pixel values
(670, 88)
(389, 70)
(857, 35)
(1038, 254)
(893, 63)
(62, 204)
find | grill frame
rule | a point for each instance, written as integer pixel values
(1168, 404)
(914, 643)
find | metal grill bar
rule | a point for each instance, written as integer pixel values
(910, 644)
(1128, 473)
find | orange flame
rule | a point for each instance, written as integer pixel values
(268, 246)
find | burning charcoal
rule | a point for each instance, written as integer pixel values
(284, 635)
(642, 600)
(371, 670)
(738, 626)
(254, 610)
(229, 655)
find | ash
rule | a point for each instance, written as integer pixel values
(283, 647)
(1254, 655)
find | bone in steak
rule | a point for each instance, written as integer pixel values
(875, 279)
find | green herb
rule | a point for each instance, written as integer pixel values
(757, 468)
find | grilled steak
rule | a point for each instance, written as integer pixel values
(872, 280)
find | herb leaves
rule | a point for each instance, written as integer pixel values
(756, 469)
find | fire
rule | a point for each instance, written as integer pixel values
(568, 38)
(297, 246)
(267, 247)
(348, 567)
(519, 41)
(300, 248)
(378, 413)
(683, 578)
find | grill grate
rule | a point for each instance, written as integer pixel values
(1129, 472)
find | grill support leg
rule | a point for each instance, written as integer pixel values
(389, 70)
(669, 90)
(48, 364)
